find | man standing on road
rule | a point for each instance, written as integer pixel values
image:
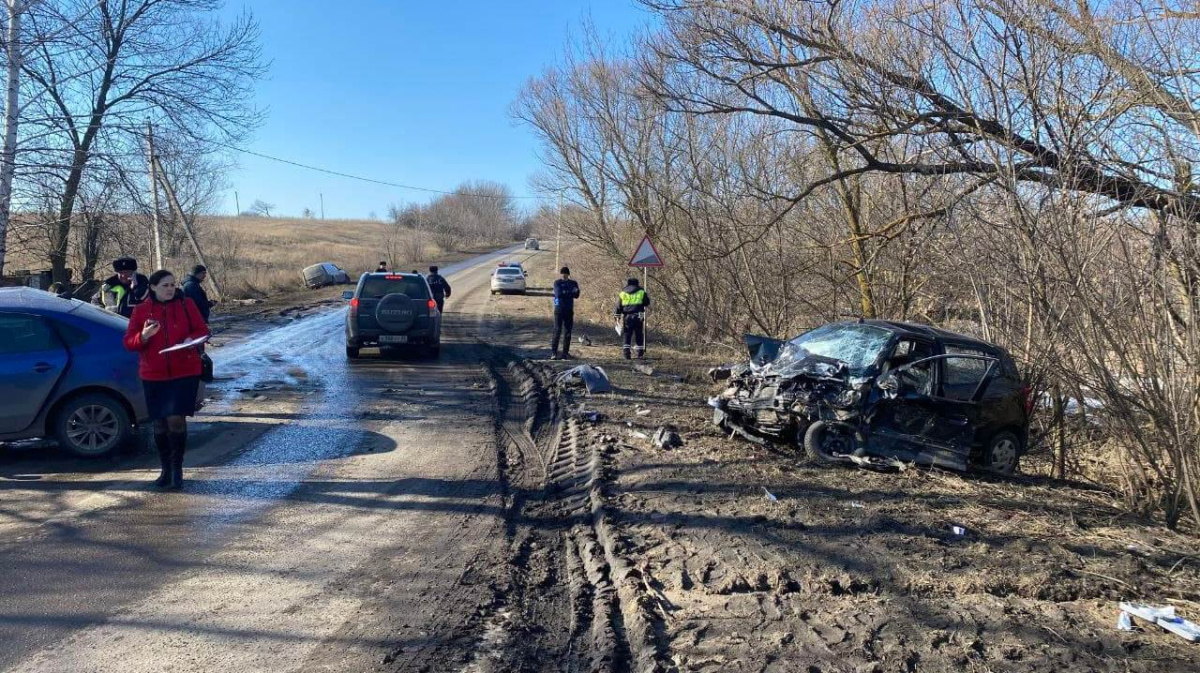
(124, 289)
(193, 288)
(382, 268)
(632, 303)
(566, 291)
(439, 287)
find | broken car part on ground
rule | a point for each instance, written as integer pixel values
(877, 392)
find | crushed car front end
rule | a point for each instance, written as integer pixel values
(873, 392)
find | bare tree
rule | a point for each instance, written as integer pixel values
(259, 208)
(14, 47)
(121, 62)
(1022, 171)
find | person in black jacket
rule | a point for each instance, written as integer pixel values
(439, 287)
(566, 291)
(193, 288)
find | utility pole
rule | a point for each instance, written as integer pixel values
(187, 227)
(237, 205)
(158, 260)
(322, 205)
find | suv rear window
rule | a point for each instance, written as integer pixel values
(376, 287)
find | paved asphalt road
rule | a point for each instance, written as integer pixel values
(339, 516)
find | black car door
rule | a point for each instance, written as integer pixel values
(935, 409)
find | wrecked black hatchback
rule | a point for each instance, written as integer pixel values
(877, 393)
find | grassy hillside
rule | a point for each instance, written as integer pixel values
(255, 256)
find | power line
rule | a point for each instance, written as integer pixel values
(364, 179)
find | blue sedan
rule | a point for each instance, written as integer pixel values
(64, 374)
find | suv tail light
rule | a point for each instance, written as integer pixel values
(1027, 398)
(354, 307)
(432, 304)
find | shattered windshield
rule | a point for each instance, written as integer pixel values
(857, 345)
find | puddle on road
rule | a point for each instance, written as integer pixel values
(268, 469)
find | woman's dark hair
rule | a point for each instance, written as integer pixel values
(157, 276)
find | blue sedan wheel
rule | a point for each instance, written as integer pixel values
(92, 425)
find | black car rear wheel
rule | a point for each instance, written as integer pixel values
(92, 425)
(1002, 454)
(352, 352)
(823, 442)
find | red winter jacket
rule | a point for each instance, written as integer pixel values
(179, 320)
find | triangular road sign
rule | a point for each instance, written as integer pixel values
(646, 255)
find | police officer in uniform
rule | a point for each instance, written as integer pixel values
(566, 291)
(124, 289)
(439, 287)
(632, 303)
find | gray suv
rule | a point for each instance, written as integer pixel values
(392, 310)
(65, 374)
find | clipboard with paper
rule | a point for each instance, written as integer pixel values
(187, 343)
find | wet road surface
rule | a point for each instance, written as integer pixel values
(337, 515)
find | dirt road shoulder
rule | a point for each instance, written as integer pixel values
(723, 555)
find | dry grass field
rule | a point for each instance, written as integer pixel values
(260, 256)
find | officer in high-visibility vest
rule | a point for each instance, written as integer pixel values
(631, 317)
(124, 289)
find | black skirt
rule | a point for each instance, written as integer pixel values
(176, 397)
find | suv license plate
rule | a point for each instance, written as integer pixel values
(390, 339)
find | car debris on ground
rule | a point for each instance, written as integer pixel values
(666, 437)
(593, 379)
(1164, 616)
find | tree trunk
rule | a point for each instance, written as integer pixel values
(8, 154)
(1060, 433)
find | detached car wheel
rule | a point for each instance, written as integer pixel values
(1002, 454)
(351, 352)
(92, 425)
(823, 440)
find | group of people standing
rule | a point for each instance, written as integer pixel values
(630, 314)
(163, 314)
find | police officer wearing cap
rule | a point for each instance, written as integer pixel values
(124, 289)
(632, 303)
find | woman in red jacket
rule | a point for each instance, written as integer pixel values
(171, 380)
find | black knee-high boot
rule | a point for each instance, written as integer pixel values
(163, 445)
(178, 447)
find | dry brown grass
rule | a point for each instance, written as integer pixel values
(258, 256)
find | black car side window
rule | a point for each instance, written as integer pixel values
(914, 380)
(25, 334)
(961, 376)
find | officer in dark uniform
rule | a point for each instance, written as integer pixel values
(566, 291)
(439, 287)
(632, 303)
(124, 289)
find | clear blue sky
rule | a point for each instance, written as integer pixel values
(409, 91)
